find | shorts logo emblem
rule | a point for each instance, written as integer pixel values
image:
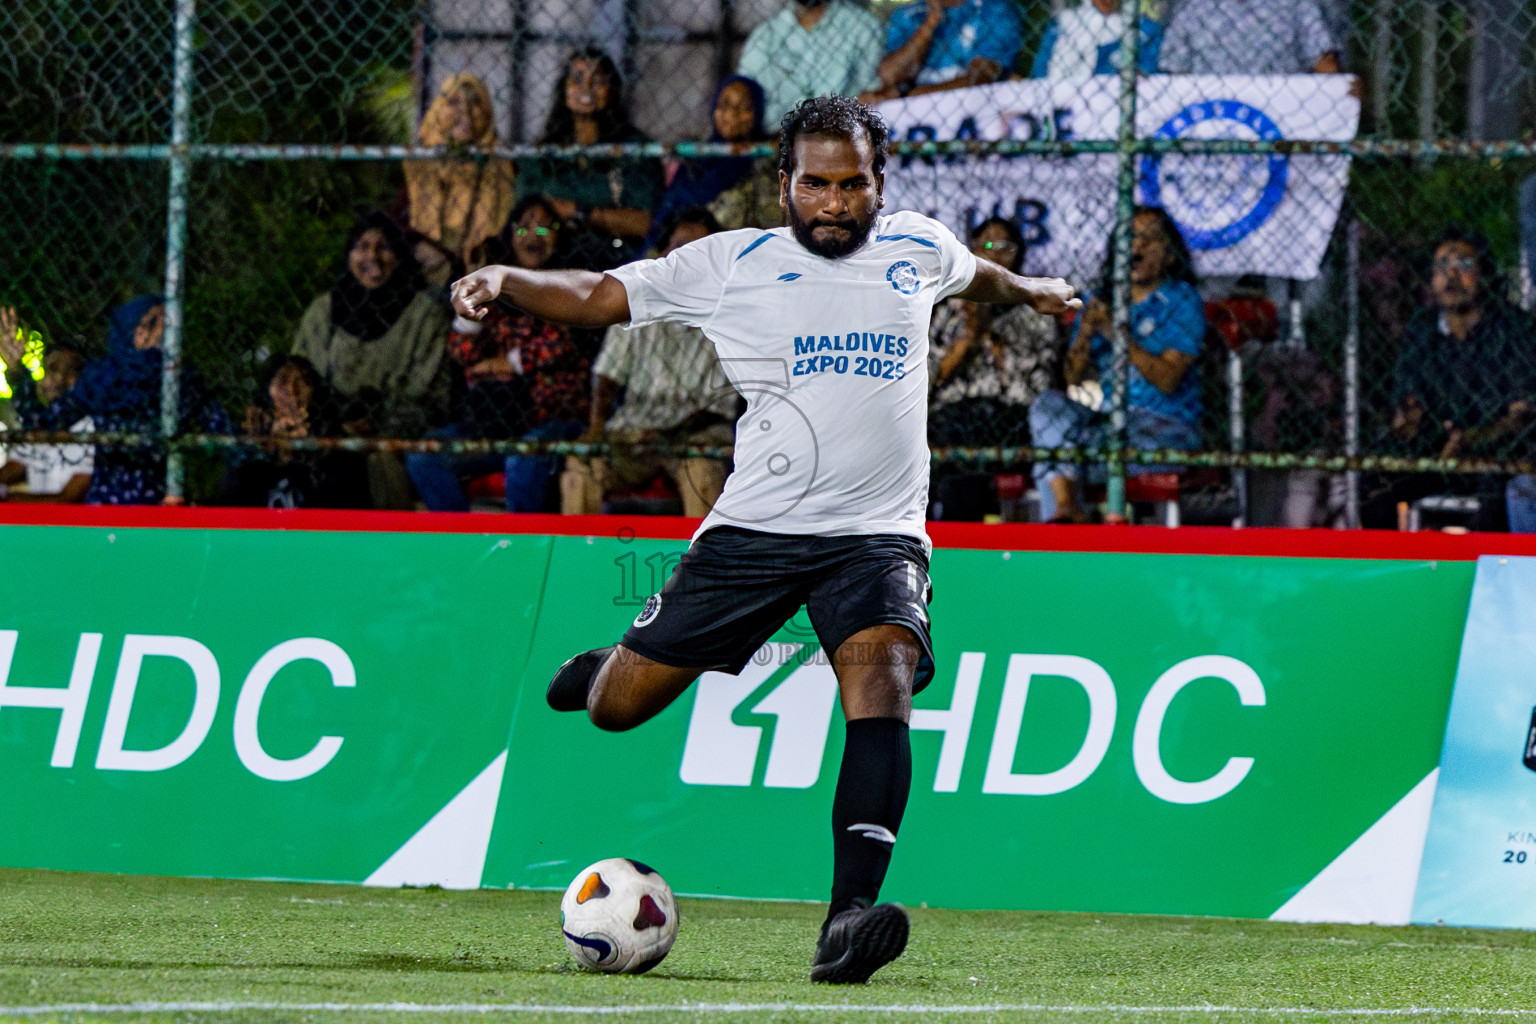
(649, 612)
(903, 277)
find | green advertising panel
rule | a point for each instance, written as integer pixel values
(1117, 732)
(258, 704)
(1120, 732)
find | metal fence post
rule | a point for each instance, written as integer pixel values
(1429, 69)
(176, 244)
(1381, 69)
(1352, 372)
(1130, 49)
(1236, 434)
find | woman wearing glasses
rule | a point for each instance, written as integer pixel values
(986, 366)
(523, 378)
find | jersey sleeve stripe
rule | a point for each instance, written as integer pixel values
(893, 238)
(754, 245)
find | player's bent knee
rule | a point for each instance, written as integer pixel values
(609, 718)
(630, 689)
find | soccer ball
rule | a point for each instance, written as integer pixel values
(619, 917)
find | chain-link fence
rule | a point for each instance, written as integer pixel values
(1328, 326)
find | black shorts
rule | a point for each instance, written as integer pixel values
(735, 588)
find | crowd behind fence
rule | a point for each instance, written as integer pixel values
(1307, 229)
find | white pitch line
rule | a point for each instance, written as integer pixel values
(705, 1009)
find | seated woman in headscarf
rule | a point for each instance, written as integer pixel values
(741, 191)
(377, 337)
(457, 205)
(292, 401)
(121, 394)
(607, 202)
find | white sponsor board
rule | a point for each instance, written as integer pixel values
(1241, 214)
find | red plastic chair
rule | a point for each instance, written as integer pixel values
(491, 486)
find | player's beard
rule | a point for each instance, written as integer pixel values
(853, 235)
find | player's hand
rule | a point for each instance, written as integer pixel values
(473, 293)
(1053, 295)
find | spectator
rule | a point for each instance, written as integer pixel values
(1464, 385)
(988, 364)
(377, 338)
(525, 378)
(1298, 402)
(608, 201)
(813, 48)
(293, 401)
(46, 472)
(1249, 37)
(1085, 40)
(456, 206)
(950, 44)
(674, 392)
(741, 191)
(1162, 389)
(121, 393)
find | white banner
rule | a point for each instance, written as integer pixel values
(1250, 214)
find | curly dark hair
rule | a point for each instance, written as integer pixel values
(837, 116)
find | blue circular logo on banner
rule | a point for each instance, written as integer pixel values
(1217, 200)
(903, 277)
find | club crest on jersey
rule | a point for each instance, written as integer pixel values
(649, 612)
(903, 277)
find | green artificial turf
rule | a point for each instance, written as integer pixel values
(106, 939)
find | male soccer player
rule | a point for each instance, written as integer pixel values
(823, 327)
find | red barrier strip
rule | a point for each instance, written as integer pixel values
(1189, 540)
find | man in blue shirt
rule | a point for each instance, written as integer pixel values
(950, 44)
(1086, 40)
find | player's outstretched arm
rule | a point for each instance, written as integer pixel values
(993, 283)
(579, 298)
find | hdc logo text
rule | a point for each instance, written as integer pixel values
(719, 752)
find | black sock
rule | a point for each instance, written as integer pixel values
(866, 812)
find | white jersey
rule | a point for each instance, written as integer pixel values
(832, 358)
